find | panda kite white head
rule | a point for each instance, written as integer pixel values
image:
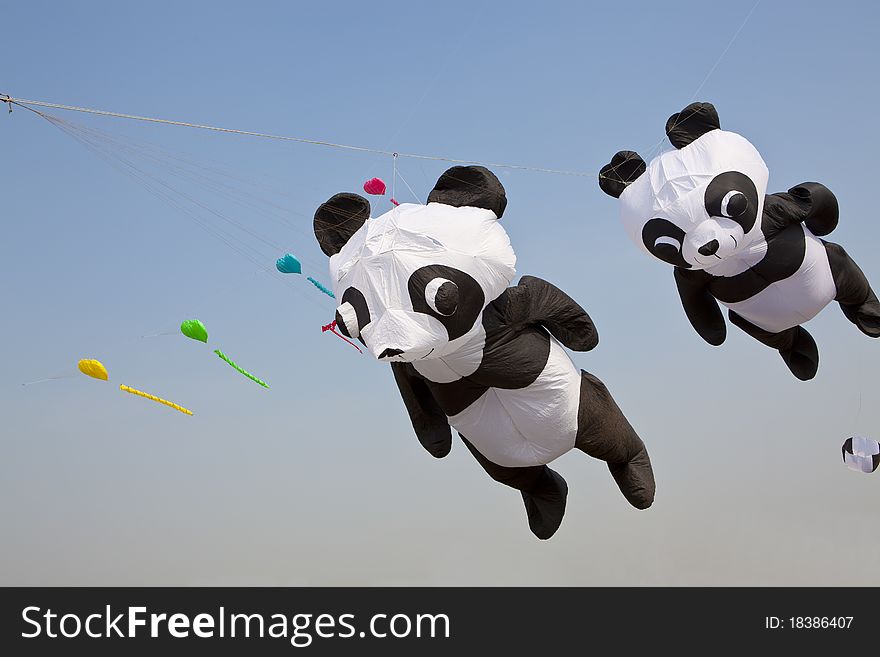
(698, 206)
(412, 283)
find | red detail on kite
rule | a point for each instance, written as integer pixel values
(375, 186)
(395, 202)
(332, 328)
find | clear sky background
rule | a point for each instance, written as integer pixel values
(320, 479)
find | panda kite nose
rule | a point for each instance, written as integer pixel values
(388, 353)
(709, 248)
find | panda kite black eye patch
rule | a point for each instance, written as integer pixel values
(458, 299)
(356, 299)
(664, 239)
(734, 196)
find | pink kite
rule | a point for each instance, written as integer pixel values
(375, 186)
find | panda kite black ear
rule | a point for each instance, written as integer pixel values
(618, 174)
(691, 123)
(471, 186)
(338, 219)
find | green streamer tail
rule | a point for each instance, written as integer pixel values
(236, 367)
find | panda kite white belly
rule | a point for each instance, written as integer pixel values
(526, 426)
(796, 299)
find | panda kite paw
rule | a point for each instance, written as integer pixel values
(635, 478)
(545, 504)
(866, 317)
(803, 357)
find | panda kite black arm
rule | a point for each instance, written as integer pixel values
(428, 419)
(700, 306)
(536, 301)
(811, 203)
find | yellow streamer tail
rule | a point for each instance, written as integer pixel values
(154, 398)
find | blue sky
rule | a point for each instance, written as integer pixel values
(320, 480)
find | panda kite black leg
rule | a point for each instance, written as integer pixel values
(854, 294)
(544, 491)
(795, 345)
(605, 433)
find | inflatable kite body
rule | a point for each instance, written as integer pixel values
(861, 454)
(425, 288)
(93, 368)
(702, 208)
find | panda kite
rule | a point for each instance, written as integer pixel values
(702, 208)
(425, 289)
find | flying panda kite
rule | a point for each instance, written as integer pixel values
(425, 289)
(702, 208)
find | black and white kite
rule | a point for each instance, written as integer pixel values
(425, 288)
(861, 454)
(702, 208)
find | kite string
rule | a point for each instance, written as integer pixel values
(393, 176)
(23, 102)
(656, 148)
(443, 64)
(724, 52)
(250, 133)
(88, 136)
(128, 167)
(50, 378)
(416, 196)
(168, 195)
(158, 335)
(176, 192)
(860, 388)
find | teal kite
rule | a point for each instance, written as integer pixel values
(288, 264)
